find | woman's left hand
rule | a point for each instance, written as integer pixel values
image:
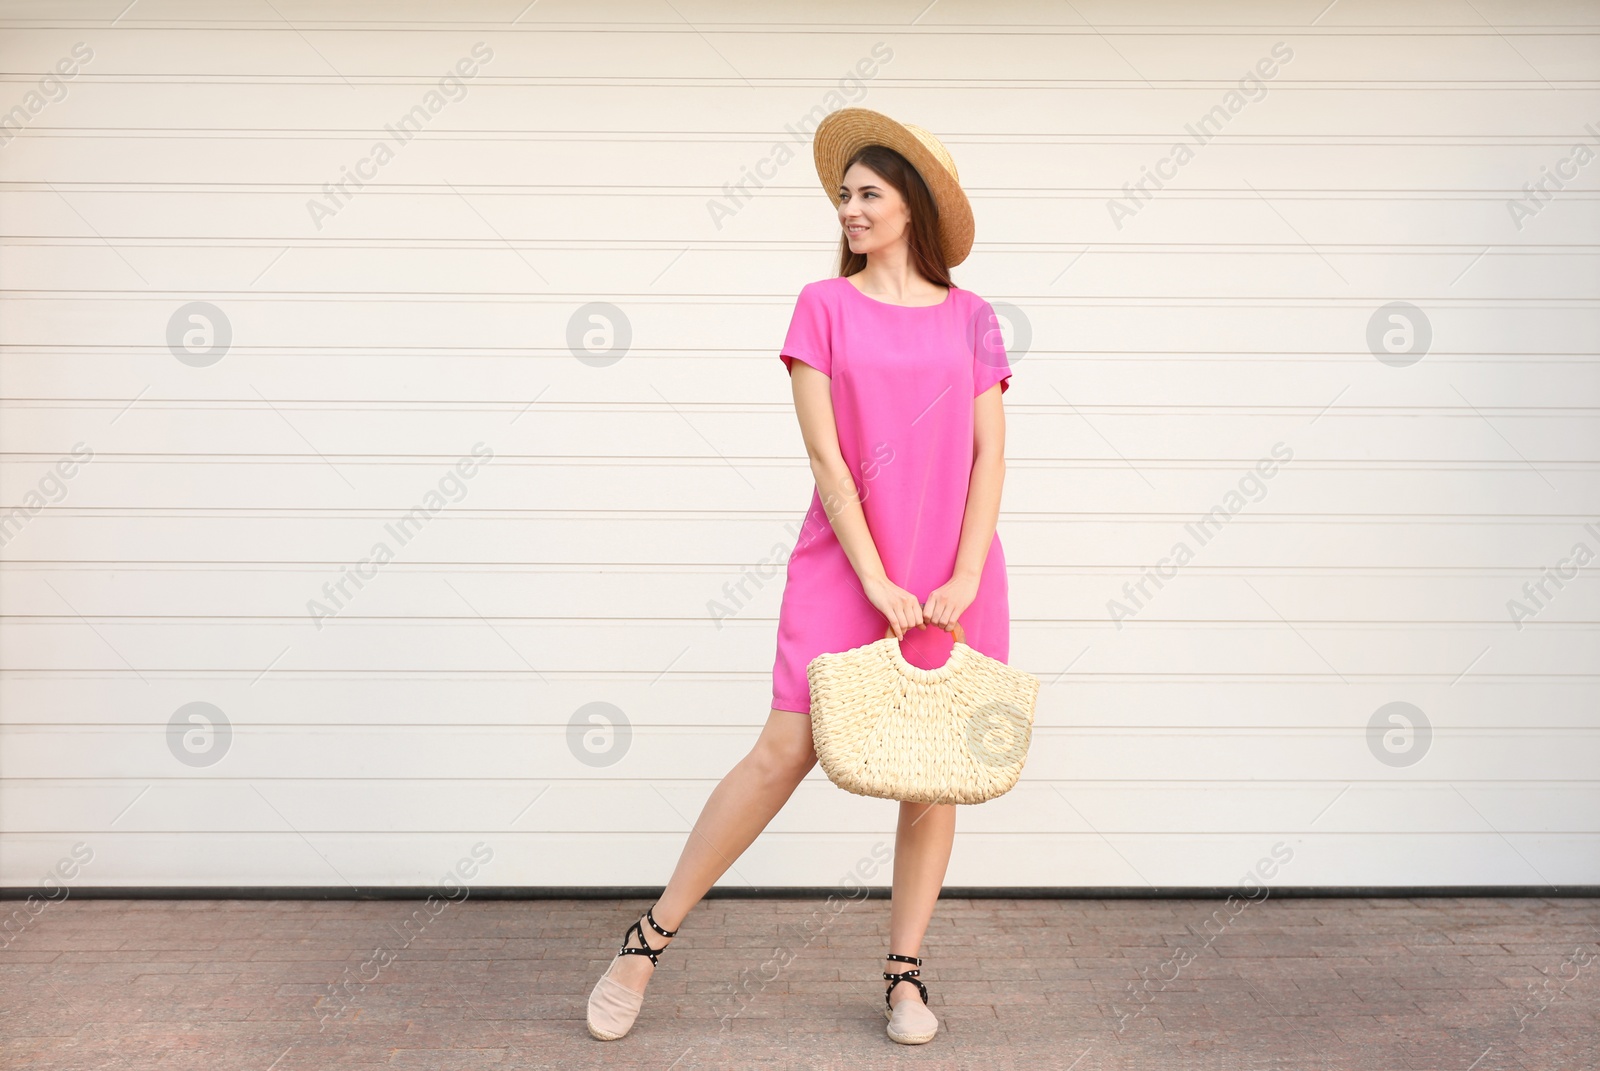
(949, 601)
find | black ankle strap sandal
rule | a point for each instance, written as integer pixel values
(904, 976)
(647, 950)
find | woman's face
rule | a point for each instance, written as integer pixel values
(872, 212)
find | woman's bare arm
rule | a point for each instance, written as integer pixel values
(947, 602)
(836, 487)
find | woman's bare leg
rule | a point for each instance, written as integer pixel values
(738, 809)
(922, 847)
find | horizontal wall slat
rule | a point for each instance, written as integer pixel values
(605, 804)
(704, 597)
(618, 858)
(1079, 700)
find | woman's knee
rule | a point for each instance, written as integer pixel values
(784, 748)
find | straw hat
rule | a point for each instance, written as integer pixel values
(843, 132)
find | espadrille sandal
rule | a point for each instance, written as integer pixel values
(613, 1006)
(910, 1023)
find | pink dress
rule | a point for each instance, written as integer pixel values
(902, 380)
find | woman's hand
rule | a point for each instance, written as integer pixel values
(895, 603)
(950, 601)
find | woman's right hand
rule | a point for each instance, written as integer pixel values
(894, 602)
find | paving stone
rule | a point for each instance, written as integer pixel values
(1358, 984)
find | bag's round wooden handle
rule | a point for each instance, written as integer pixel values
(960, 633)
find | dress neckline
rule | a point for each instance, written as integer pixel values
(949, 294)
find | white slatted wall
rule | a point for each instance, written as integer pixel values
(374, 345)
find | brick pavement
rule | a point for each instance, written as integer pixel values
(1318, 984)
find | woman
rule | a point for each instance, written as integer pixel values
(894, 371)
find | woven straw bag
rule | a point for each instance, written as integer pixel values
(956, 734)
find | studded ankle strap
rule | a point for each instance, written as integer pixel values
(904, 976)
(646, 950)
(650, 914)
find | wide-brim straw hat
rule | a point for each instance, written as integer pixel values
(843, 132)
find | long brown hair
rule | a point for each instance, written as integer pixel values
(927, 252)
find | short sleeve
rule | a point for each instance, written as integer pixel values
(989, 362)
(808, 339)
